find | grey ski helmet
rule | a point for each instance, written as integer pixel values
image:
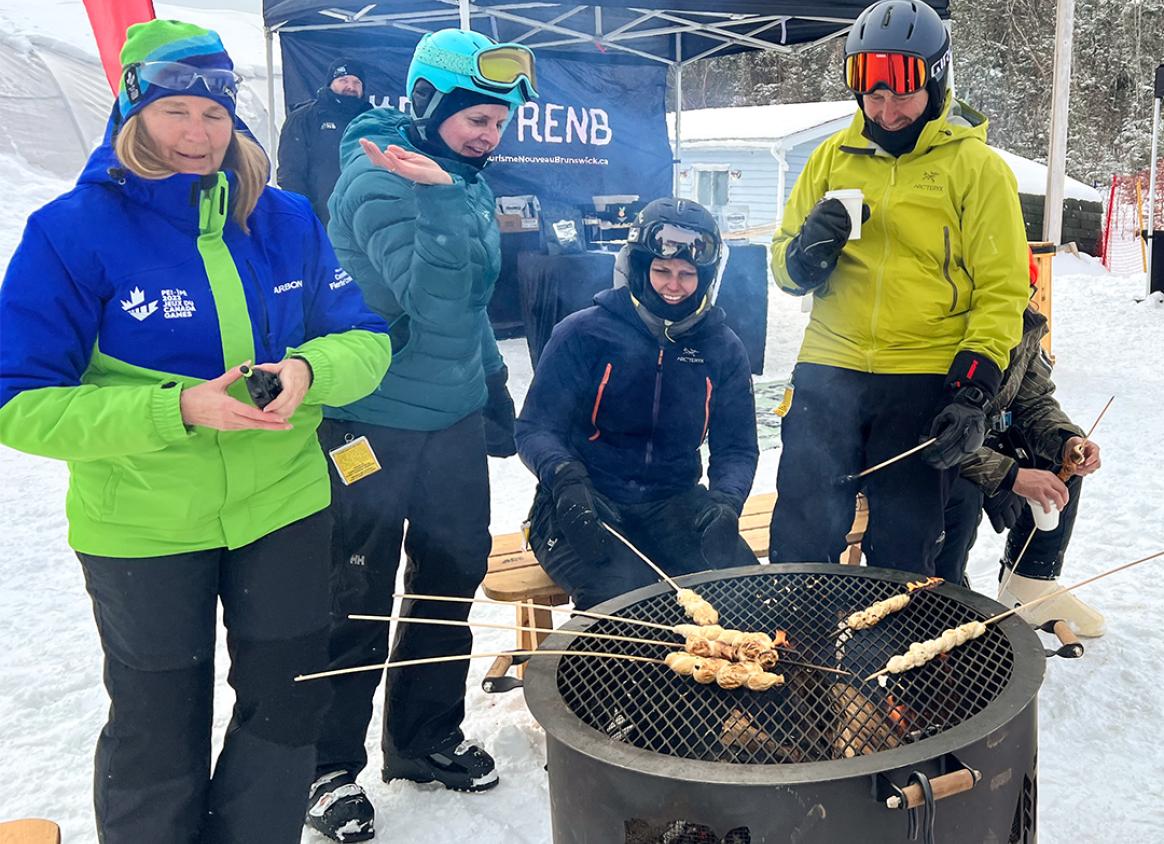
(907, 28)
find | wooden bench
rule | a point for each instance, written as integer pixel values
(515, 575)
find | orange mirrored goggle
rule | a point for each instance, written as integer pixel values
(901, 74)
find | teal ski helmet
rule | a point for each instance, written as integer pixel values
(454, 58)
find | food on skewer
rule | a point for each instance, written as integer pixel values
(706, 669)
(728, 675)
(871, 615)
(707, 631)
(863, 619)
(750, 648)
(697, 609)
(681, 663)
(920, 653)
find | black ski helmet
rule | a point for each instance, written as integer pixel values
(674, 228)
(911, 28)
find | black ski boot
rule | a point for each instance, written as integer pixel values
(461, 767)
(339, 809)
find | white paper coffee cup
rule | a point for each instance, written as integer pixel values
(852, 199)
(1043, 519)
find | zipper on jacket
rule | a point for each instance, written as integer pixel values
(880, 272)
(262, 304)
(946, 270)
(597, 401)
(706, 411)
(655, 405)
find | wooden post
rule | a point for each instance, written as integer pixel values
(1044, 252)
(1061, 98)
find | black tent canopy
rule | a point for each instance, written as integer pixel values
(671, 32)
(668, 31)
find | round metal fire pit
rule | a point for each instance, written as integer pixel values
(641, 755)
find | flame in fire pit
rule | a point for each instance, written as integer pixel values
(928, 583)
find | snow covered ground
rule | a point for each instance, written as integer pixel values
(1100, 767)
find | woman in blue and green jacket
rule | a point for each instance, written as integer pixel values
(126, 313)
(412, 221)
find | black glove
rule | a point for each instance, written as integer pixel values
(813, 253)
(960, 424)
(719, 526)
(498, 416)
(577, 514)
(1004, 509)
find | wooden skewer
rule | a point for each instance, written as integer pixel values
(1010, 572)
(1064, 589)
(890, 461)
(379, 666)
(662, 574)
(1064, 473)
(454, 623)
(547, 607)
(1095, 424)
(1049, 596)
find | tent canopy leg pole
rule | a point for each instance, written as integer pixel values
(464, 7)
(678, 115)
(272, 133)
(1150, 226)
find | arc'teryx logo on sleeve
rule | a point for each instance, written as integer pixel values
(137, 306)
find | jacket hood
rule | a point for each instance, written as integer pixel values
(958, 122)
(386, 125)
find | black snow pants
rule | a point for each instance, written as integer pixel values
(663, 530)
(1043, 560)
(842, 421)
(157, 618)
(437, 481)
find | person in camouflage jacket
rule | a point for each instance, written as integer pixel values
(1030, 439)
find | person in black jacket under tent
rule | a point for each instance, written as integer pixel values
(309, 143)
(624, 395)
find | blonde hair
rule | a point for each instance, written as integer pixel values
(244, 157)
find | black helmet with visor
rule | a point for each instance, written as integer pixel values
(675, 228)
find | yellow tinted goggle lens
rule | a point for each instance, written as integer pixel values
(506, 65)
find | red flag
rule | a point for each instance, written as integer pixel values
(110, 19)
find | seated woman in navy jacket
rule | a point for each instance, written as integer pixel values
(624, 395)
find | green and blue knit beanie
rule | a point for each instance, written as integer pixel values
(171, 41)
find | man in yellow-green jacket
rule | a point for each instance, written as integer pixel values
(913, 321)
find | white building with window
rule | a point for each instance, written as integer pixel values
(742, 161)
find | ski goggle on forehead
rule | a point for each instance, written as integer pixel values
(178, 76)
(901, 74)
(667, 240)
(506, 65)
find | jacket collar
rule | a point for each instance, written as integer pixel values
(177, 197)
(957, 122)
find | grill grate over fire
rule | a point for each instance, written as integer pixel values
(815, 716)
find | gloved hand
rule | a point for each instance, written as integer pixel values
(812, 255)
(577, 514)
(1004, 509)
(960, 424)
(719, 525)
(499, 416)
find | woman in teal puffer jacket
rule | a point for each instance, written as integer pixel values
(412, 221)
